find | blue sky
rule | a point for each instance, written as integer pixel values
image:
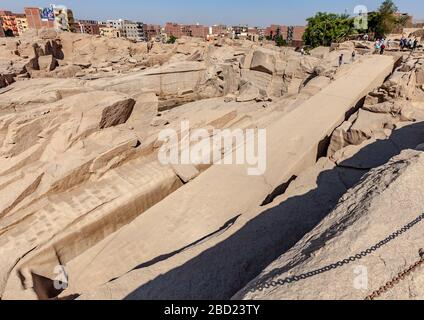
(258, 13)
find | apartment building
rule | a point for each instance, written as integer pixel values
(276, 30)
(64, 18)
(9, 23)
(296, 39)
(134, 31)
(87, 26)
(22, 23)
(239, 32)
(34, 20)
(110, 32)
(152, 31)
(199, 31)
(58, 17)
(174, 29)
(219, 30)
(181, 30)
(115, 24)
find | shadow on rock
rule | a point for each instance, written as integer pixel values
(223, 270)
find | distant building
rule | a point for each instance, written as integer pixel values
(261, 33)
(110, 32)
(182, 30)
(297, 38)
(9, 23)
(199, 31)
(275, 30)
(22, 24)
(292, 34)
(34, 20)
(174, 30)
(54, 16)
(87, 26)
(219, 30)
(64, 18)
(255, 34)
(115, 24)
(240, 32)
(152, 31)
(134, 31)
(5, 13)
(87, 21)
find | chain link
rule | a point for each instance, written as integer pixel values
(396, 280)
(262, 285)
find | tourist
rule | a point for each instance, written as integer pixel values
(353, 56)
(402, 43)
(341, 60)
(377, 46)
(415, 44)
(382, 48)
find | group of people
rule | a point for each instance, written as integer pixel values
(380, 45)
(408, 44)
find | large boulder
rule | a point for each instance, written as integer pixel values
(370, 124)
(263, 60)
(315, 85)
(47, 63)
(100, 110)
(248, 92)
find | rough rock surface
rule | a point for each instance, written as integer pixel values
(392, 193)
(198, 207)
(80, 182)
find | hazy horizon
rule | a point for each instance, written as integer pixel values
(254, 13)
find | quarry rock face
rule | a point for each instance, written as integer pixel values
(351, 228)
(229, 182)
(82, 186)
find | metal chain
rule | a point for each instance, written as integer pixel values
(401, 276)
(262, 285)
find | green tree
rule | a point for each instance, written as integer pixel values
(279, 41)
(325, 28)
(384, 20)
(171, 40)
